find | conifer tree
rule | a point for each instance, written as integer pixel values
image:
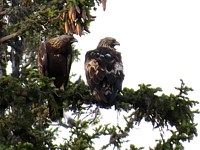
(24, 94)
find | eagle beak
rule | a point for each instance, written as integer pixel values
(74, 40)
(116, 43)
(71, 38)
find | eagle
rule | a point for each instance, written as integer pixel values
(104, 71)
(54, 61)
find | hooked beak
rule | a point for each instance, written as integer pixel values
(74, 40)
(116, 43)
(71, 37)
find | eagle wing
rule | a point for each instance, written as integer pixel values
(42, 59)
(104, 73)
(55, 59)
(69, 63)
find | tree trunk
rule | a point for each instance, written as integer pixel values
(2, 52)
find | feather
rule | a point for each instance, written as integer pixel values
(104, 71)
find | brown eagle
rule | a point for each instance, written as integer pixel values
(54, 60)
(104, 71)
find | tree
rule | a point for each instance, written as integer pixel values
(24, 121)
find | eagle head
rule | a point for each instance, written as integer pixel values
(68, 38)
(108, 42)
(61, 41)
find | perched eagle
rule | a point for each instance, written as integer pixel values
(54, 60)
(104, 71)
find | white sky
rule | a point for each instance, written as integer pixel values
(159, 42)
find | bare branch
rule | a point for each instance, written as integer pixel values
(8, 37)
(2, 13)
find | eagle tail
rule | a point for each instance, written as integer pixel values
(55, 108)
(106, 97)
(111, 97)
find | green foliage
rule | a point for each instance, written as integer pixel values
(24, 117)
(144, 104)
(24, 95)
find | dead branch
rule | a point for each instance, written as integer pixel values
(8, 37)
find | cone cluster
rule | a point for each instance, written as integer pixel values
(76, 18)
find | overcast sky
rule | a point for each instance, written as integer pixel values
(159, 42)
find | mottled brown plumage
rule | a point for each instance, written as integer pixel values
(104, 71)
(54, 60)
